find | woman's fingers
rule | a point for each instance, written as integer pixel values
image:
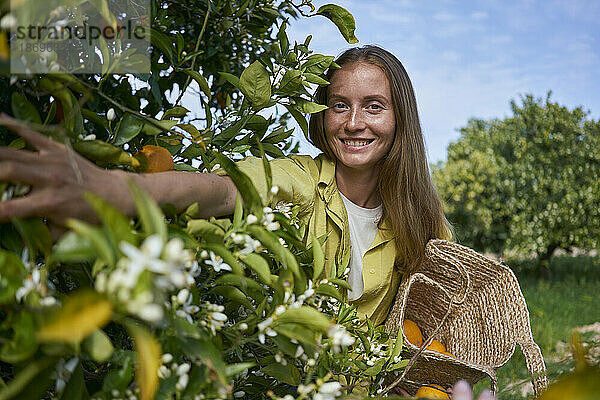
(36, 139)
(462, 391)
(33, 205)
(10, 154)
(13, 171)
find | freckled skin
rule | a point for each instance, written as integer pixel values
(360, 123)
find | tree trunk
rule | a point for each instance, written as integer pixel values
(544, 261)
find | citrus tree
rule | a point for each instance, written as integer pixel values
(526, 184)
(169, 305)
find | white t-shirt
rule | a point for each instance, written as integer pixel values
(363, 228)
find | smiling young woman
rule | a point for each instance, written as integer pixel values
(371, 92)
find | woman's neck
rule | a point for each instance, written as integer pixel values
(360, 187)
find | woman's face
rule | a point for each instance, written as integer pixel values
(360, 124)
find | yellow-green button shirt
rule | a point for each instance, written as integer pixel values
(310, 184)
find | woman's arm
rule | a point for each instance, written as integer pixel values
(59, 177)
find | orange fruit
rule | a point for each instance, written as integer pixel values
(412, 332)
(432, 393)
(158, 159)
(436, 346)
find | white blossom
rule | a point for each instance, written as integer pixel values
(250, 245)
(251, 219)
(63, 372)
(217, 263)
(110, 114)
(30, 283)
(328, 391)
(340, 338)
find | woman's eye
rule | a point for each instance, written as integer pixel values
(374, 107)
(339, 106)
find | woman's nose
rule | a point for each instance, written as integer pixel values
(355, 121)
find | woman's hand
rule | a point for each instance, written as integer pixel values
(58, 177)
(462, 391)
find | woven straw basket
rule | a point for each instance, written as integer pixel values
(482, 313)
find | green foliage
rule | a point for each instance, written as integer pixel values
(526, 184)
(163, 305)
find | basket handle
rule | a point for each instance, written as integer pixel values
(535, 366)
(442, 256)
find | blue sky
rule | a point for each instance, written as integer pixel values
(470, 58)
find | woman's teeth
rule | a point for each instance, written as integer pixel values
(357, 142)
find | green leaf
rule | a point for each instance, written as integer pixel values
(119, 379)
(308, 106)
(291, 81)
(271, 242)
(399, 365)
(104, 153)
(117, 224)
(104, 249)
(177, 112)
(342, 19)
(206, 230)
(341, 283)
(257, 124)
(243, 183)
(23, 109)
(313, 78)
(38, 371)
(238, 213)
(255, 84)
(157, 127)
(72, 247)
(307, 316)
(397, 349)
(151, 217)
(202, 83)
(81, 314)
(98, 346)
(234, 80)
(247, 285)
(163, 42)
(21, 344)
(35, 233)
(283, 373)
(232, 370)
(300, 119)
(316, 64)
(12, 273)
(376, 368)
(193, 131)
(318, 258)
(234, 294)
(328, 290)
(259, 265)
(76, 389)
(284, 43)
(128, 127)
(297, 332)
(208, 353)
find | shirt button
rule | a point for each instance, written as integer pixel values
(372, 271)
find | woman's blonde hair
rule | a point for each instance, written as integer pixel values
(411, 204)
